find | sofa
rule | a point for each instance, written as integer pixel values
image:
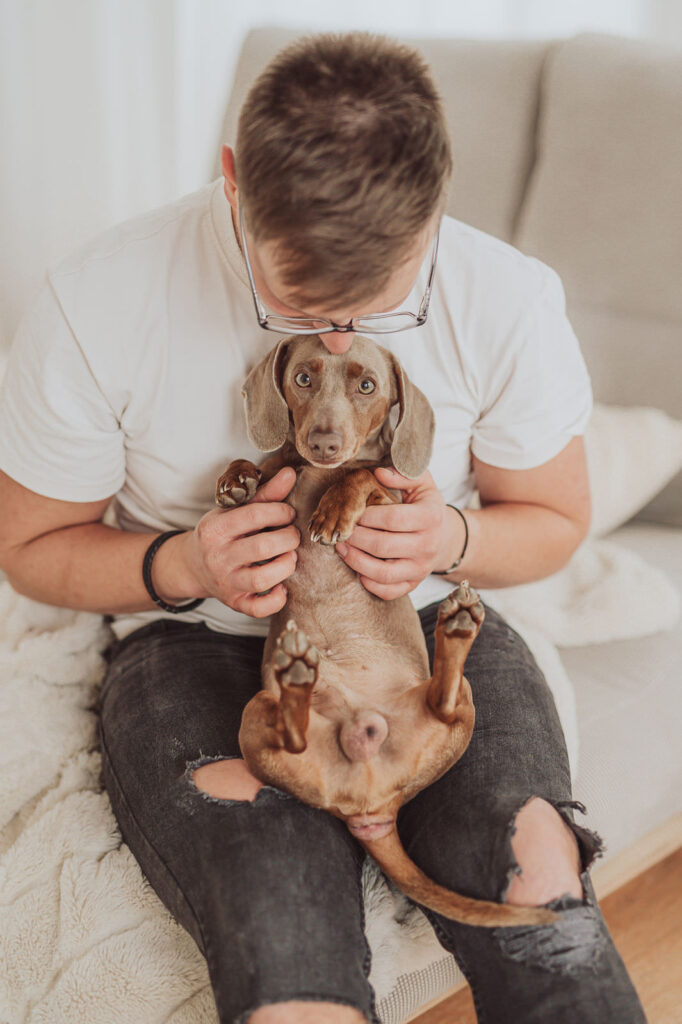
(570, 150)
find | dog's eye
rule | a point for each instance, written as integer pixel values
(302, 379)
(366, 387)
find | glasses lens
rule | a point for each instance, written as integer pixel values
(385, 324)
(302, 326)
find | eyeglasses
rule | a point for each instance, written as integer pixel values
(374, 323)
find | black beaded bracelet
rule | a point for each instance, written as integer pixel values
(147, 576)
(446, 572)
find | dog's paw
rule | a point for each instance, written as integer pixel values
(462, 612)
(333, 520)
(296, 659)
(238, 484)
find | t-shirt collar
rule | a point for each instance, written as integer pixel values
(221, 216)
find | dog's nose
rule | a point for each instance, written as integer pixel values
(362, 736)
(324, 445)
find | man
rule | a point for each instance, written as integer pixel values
(124, 383)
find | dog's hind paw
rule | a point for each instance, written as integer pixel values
(238, 484)
(462, 611)
(296, 659)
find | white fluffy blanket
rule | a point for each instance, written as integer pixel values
(83, 938)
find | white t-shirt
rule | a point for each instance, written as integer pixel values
(125, 377)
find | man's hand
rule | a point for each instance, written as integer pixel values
(394, 547)
(218, 558)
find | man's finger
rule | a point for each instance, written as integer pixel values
(394, 570)
(386, 544)
(388, 592)
(252, 518)
(391, 478)
(260, 605)
(278, 488)
(395, 518)
(263, 546)
(259, 579)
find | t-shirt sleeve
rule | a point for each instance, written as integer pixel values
(536, 392)
(58, 434)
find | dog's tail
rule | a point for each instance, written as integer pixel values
(389, 854)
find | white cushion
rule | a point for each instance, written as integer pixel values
(632, 453)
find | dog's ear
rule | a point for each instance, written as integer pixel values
(267, 413)
(413, 435)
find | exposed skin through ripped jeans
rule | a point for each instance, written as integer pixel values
(270, 889)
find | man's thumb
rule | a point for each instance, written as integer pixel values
(391, 477)
(278, 487)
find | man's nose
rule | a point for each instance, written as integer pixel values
(337, 342)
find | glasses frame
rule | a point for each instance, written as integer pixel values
(266, 320)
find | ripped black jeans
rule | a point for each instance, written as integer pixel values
(271, 890)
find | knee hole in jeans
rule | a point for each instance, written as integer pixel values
(226, 779)
(307, 1013)
(546, 857)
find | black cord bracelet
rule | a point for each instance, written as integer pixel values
(147, 576)
(446, 572)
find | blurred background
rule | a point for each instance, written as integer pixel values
(112, 107)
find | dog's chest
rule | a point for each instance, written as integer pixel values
(363, 640)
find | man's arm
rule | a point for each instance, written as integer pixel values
(531, 522)
(59, 552)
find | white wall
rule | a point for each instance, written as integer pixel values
(112, 107)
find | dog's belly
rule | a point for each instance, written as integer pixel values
(368, 646)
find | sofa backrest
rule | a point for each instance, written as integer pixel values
(572, 151)
(604, 208)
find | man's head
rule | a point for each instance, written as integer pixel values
(341, 168)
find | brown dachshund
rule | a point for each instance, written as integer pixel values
(349, 718)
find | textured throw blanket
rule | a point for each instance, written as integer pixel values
(83, 938)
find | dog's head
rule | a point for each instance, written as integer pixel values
(336, 408)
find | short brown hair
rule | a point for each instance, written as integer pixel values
(342, 157)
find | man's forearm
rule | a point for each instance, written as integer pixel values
(93, 567)
(512, 543)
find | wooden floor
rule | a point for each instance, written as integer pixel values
(645, 920)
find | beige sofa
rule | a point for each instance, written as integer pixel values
(571, 150)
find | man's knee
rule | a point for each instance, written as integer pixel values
(227, 779)
(546, 852)
(307, 1013)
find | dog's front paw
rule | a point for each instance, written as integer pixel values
(334, 519)
(238, 484)
(462, 612)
